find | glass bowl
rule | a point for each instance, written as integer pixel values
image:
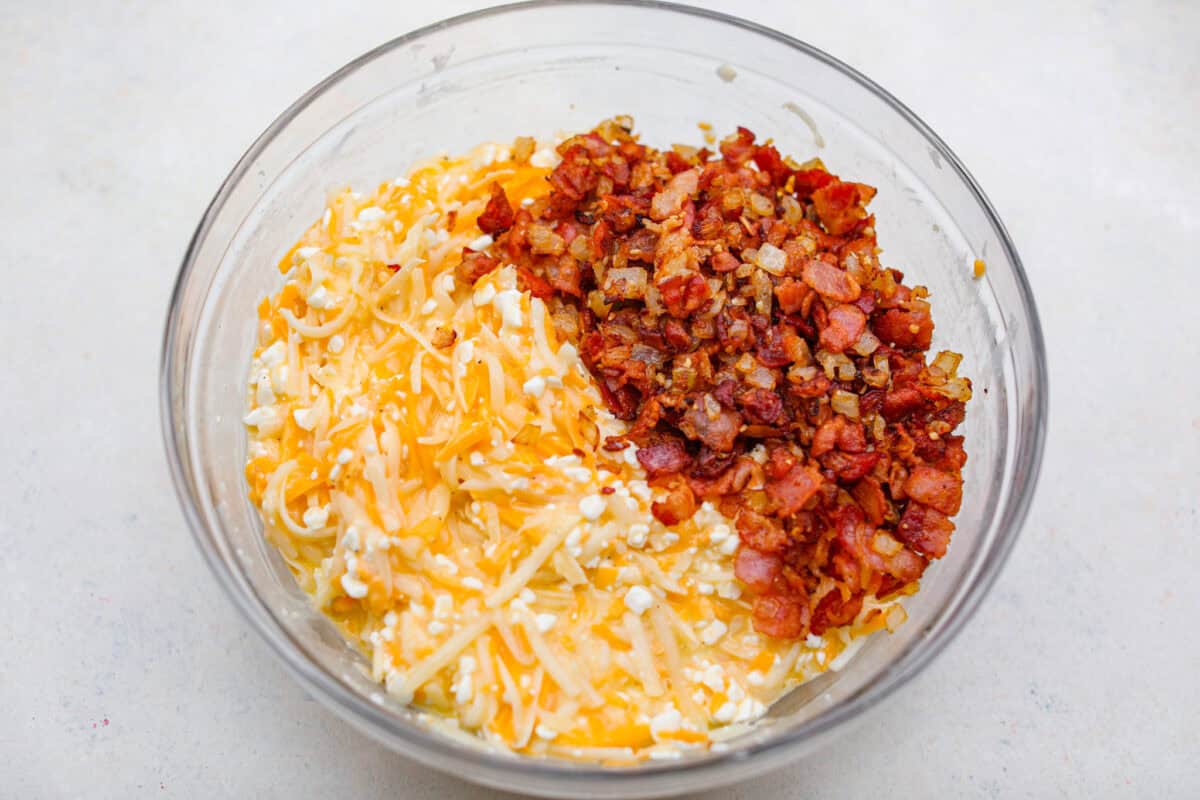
(538, 68)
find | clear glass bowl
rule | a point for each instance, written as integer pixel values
(540, 68)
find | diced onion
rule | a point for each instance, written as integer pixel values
(771, 259)
(845, 403)
(885, 544)
(799, 374)
(761, 204)
(625, 284)
(763, 378)
(837, 365)
(947, 362)
(867, 343)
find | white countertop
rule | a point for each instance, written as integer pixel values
(123, 670)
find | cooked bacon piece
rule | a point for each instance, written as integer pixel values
(771, 350)
(733, 332)
(731, 481)
(902, 402)
(846, 324)
(905, 565)
(647, 419)
(849, 467)
(783, 616)
(760, 533)
(724, 262)
(925, 530)
(767, 158)
(640, 245)
(833, 611)
(935, 488)
(726, 392)
(780, 461)
(851, 437)
(474, 266)
(676, 334)
(859, 539)
(790, 294)
(711, 423)
(676, 163)
(711, 464)
(826, 437)
(831, 282)
(534, 284)
(739, 147)
(621, 400)
(667, 456)
(574, 176)
(952, 456)
(841, 206)
(817, 387)
(808, 181)
(684, 294)
(664, 269)
(906, 329)
(756, 569)
(678, 504)
(566, 275)
(790, 492)
(761, 406)
(497, 216)
(871, 499)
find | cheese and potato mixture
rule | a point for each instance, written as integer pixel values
(426, 457)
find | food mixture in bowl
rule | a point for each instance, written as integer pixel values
(596, 450)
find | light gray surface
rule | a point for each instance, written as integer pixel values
(123, 671)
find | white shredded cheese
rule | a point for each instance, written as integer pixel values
(638, 600)
(713, 632)
(319, 298)
(592, 507)
(316, 517)
(480, 243)
(535, 386)
(353, 587)
(305, 418)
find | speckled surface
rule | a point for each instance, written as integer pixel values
(125, 673)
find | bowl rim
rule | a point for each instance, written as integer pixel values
(441, 752)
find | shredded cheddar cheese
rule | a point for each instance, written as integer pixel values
(424, 456)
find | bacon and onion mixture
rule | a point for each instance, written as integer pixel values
(596, 450)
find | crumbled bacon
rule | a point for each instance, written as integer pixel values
(763, 534)
(475, 265)
(678, 504)
(844, 325)
(934, 488)
(833, 610)
(786, 616)
(842, 206)
(906, 329)
(720, 304)
(756, 569)
(667, 456)
(790, 294)
(497, 216)
(830, 281)
(794, 489)
(925, 530)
